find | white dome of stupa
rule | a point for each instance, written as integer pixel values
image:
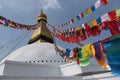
(36, 53)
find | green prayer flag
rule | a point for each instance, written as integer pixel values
(79, 53)
(86, 13)
(90, 24)
(118, 12)
(84, 62)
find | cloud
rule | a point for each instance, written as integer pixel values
(26, 5)
(51, 4)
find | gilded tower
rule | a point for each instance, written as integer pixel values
(42, 33)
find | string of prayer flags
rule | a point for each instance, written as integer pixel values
(85, 13)
(11, 24)
(72, 35)
(77, 34)
(108, 21)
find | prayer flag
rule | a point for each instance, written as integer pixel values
(94, 22)
(97, 4)
(118, 12)
(84, 62)
(97, 52)
(105, 17)
(82, 15)
(93, 8)
(85, 13)
(89, 10)
(90, 24)
(98, 20)
(78, 17)
(104, 2)
(112, 14)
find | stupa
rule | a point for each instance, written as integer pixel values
(38, 59)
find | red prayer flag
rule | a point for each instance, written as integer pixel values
(104, 2)
(112, 14)
(82, 15)
(114, 28)
(89, 31)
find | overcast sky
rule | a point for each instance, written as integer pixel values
(58, 11)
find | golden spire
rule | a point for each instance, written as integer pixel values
(42, 33)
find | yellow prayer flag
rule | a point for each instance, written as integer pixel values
(10, 24)
(89, 10)
(74, 19)
(94, 22)
(78, 27)
(86, 51)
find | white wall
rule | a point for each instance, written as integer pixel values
(13, 68)
(70, 69)
(39, 78)
(2, 68)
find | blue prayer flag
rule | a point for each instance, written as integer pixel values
(78, 17)
(93, 8)
(98, 20)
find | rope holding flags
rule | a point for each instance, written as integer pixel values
(85, 13)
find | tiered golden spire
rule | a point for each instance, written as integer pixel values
(42, 33)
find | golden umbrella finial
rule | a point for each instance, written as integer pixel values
(42, 16)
